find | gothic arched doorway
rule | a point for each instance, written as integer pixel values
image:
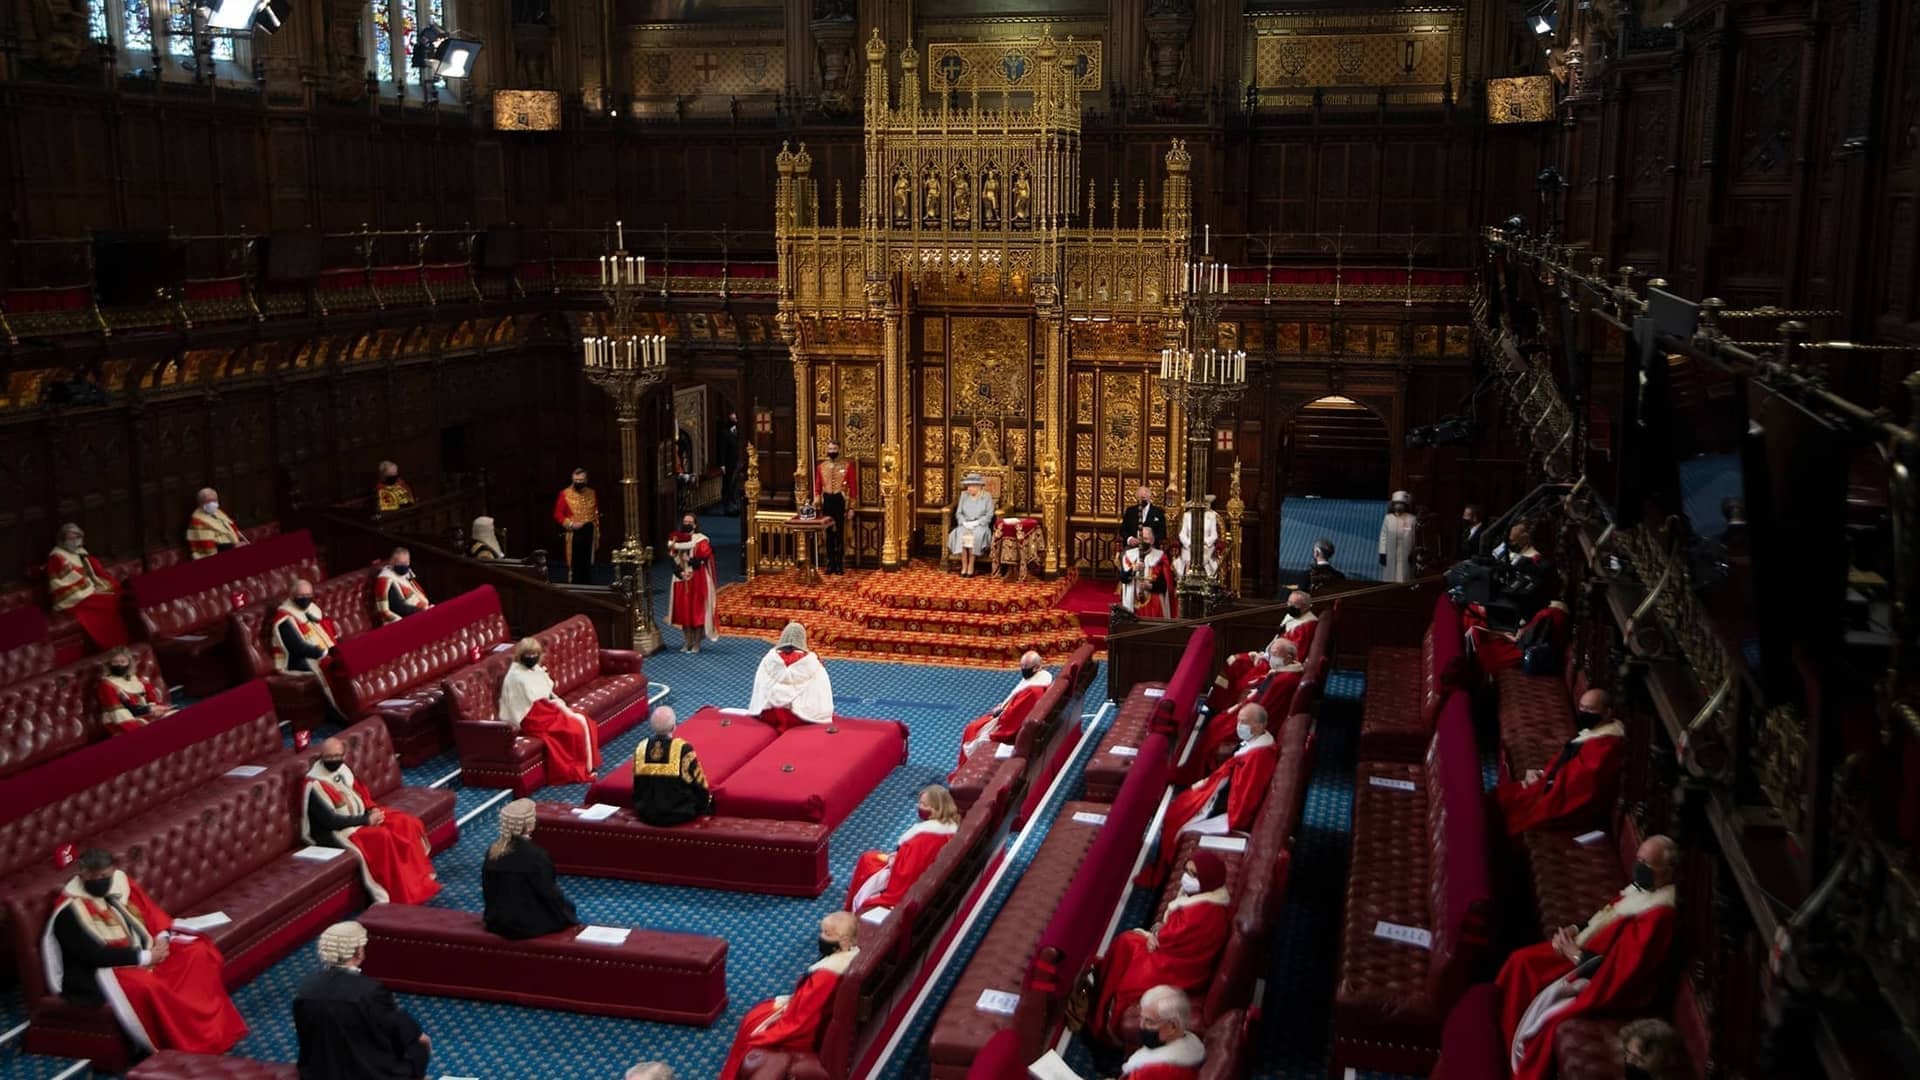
(1336, 448)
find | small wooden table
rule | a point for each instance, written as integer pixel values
(806, 557)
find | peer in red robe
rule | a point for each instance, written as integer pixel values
(107, 942)
(396, 594)
(128, 702)
(395, 858)
(1167, 1013)
(1495, 651)
(1241, 673)
(78, 584)
(1227, 800)
(1579, 787)
(1001, 724)
(1147, 586)
(1617, 962)
(1180, 951)
(530, 705)
(881, 879)
(1273, 693)
(793, 1022)
(694, 585)
(1300, 623)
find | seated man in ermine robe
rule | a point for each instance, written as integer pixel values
(1579, 787)
(1273, 693)
(1300, 623)
(1227, 800)
(1179, 951)
(1169, 1050)
(1001, 723)
(1242, 672)
(881, 879)
(396, 594)
(1615, 963)
(209, 530)
(127, 701)
(108, 943)
(77, 583)
(302, 638)
(791, 686)
(529, 705)
(395, 859)
(793, 1022)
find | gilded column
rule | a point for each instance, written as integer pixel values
(1051, 486)
(893, 546)
(802, 430)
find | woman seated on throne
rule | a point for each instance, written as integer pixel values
(972, 534)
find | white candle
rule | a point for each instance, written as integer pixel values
(643, 269)
(619, 236)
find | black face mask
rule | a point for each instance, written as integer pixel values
(530, 661)
(1146, 502)
(403, 569)
(332, 764)
(391, 480)
(303, 602)
(686, 526)
(579, 485)
(833, 455)
(98, 887)
(1150, 1038)
(1591, 718)
(1643, 877)
(1298, 612)
(828, 948)
(118, 669)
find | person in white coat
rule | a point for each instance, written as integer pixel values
(791, 687)
(1210, 525)
(972, 532)
(1396, 539)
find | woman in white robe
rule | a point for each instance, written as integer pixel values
(791, 686)
(1396, 539)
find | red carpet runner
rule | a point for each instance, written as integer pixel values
(920, 613)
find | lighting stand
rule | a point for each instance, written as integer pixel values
(1201, 380)
(627, 364)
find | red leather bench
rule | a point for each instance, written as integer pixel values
(784, 858)
(608, 685)
(297, 698)
(1420, 859)
(228, 848)
(397, 672)
(1536, 720)
(1406, 687)
(57, 713)
(1057, 711)
(653, 975)
(1584, 1047)
(176, 1065)
(725, 739)
(29, 614)
(1149, 707)
(183, 609)
(1570, 881)
(25, 650)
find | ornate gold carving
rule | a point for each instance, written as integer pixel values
(933, 393)
(1157, 404)
(1083, 405)
(933, 445)
(859, 410)
(695, 69)
(526, 110)
(1004, 65)
(991, 371)
(933, 334)
(1362, 50)
(1083, 494)
(1781, 764)
(1236, 510)
(1157, 456)
(1120, 401)
(1523, 99)
(933, 487)
(1083, 461)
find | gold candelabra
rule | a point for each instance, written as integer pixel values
(1202, 380)
(626, 364)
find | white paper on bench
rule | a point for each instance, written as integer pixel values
(189, 637)
(1224, 843)
(244, 772)
(317, 853)
(1086, 818)
(739, 712)
(1154, 691)
(997, 1001)
(1392, 784)
(1125, 751)
(875, 915)
(1588, 839)
(1411, 935)
(502, 647)
(603, 935)
(1050, 1066)
(392, 703)
(203, 922)
(597, 812)
(1003, 751)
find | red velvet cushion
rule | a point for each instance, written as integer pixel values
(179, 1065)
(815, 772)
(723, 740)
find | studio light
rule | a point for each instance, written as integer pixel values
(444, 56)
(230, 14)
(271, 16)
(1542, 25)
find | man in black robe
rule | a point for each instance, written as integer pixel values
(669, 787)
(348, 1024)
(517, 888)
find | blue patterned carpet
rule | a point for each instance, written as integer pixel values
(1352, 524)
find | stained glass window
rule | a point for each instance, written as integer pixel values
(395, 28)
(408, 28)
(97, 27)
(382, 43)
(180, 36)
(137, 33)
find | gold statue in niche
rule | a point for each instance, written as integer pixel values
(902, 200)
(989, 198)
(1022, 200)
(930, 200)
(962, 203)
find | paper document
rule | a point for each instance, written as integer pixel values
(1125, 751)
(1050, 1066)
(1588, 839)
(1224, 843)
(502, 647)
(1086, 818)
(392, 703)
(1003, 751)
(1411, 935)
(738, 712)
(603, 935)
(316, 853)
(1391, 783)
(245, 772)
(997, 1001)
(189, 637)
(1154, 691)
(203, 922)
(875, 915)
(597, 812)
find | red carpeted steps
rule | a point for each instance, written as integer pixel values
(920, 612)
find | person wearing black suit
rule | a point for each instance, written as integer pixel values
(348, 1025)
(1142, 515)
(1470, 528)
(1323, 574)
(729, 459)
(516, 881)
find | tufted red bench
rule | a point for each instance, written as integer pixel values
(607, 685)
(1536, 720)
(176, 1065)
(1057, 711)
(57, 714)
(25, 649)
(58, 630)
(654, 975)
(1420, 859)
(1150, 707)
(785, 858)
(397, 672)
(227, 847)
(297, 698)
(725, 739)
(1406, 687)
(183, 609)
